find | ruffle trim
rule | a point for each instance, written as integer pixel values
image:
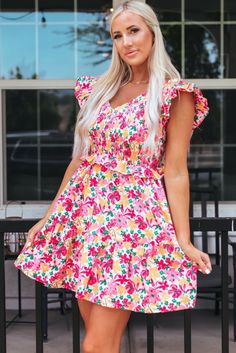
(171, 91)
(83, 88)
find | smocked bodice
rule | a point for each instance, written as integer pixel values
(118, 134)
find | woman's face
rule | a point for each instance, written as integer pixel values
(132, 38)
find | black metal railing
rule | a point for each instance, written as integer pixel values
(222, 225)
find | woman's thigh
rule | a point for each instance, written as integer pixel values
(106, 326)
(85, 308)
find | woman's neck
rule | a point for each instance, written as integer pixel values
(140, 74)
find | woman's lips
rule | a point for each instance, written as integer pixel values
(131, 53)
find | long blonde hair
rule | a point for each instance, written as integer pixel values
(119, 73)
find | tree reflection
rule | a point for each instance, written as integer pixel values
(98, 43)
(94, 38)
(16, 74)
(201, 43)
(202, 52)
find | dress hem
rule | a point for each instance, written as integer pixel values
(100, 302)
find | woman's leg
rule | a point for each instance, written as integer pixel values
(85, 308)
(105, 328)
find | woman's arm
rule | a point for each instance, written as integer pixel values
(176, 177)
(72, 167)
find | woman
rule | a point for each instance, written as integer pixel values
(110, 234)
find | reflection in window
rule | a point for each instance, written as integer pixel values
(21, 154)
(205, 157)
(166, 10)
(21, 111)
(9, 5)
(202, 10)
(17, 12)
(215, 148)
(202, 50)
(64, 45)
(56, 52)
(59, 10)
(205, 173)
(94, 43)
(90, 6)
(230, 50)
(209, 131)
(172, 39)
(17, 59)
(229, 120)
(230, 10)
(39, 139)
(229, 173)
(56, 110)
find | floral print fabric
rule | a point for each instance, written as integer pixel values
(110, 237)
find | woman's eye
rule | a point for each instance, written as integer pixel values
(134, 30)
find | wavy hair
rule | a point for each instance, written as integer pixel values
(119, 73)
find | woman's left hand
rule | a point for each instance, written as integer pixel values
(200, 258)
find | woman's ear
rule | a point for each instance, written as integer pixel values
(153, 38)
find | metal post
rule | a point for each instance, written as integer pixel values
(76, 325)
(19, 294)
(150, 333)
(187, 331)
(2, 297)
(225, 299)
(39, 317)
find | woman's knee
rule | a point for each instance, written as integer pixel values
(87, 347)
(96, 345)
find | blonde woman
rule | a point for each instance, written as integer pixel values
(117, 232)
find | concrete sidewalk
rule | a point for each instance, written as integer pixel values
(169, 338)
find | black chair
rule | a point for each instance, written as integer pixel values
(211, 284)
(13, 243)
(63, 295)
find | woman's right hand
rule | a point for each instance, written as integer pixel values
(33, 230)
(200, 258)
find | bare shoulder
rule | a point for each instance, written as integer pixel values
(182, 104)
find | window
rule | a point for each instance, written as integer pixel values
(59, 41)
(39, 138)
(201, 41)
(43, 40)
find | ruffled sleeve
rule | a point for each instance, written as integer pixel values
(83, 88)
(171, 90)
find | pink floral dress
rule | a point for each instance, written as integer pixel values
(110, 237)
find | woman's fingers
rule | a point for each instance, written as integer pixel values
(205, 264)
(30, 237)
(198, 257)
(32, 232)
(202, 266)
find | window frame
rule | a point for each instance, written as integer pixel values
(208, 84)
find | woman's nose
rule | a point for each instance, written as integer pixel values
(127, 40)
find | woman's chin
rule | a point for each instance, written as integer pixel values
(134, 61)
